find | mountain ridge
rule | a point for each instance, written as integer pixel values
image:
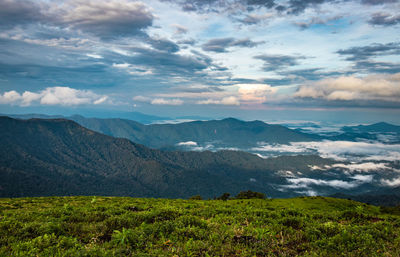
(60, 157)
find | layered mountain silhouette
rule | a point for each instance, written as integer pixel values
(228, 132)
(59, 157)
(219, 134)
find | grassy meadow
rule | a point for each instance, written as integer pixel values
(119, 226)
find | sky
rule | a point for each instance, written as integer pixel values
(329, 60)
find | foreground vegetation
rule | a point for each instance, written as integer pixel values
(115, 226)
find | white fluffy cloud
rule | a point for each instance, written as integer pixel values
(339, 150)
(188, 143)
(53, 96)
(162, 101)
(306, 182)
(255, 93)
(229, 100)
(158, 101)
(391, 183)
(373, 87)
(355, 167)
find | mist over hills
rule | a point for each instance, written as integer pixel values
(227, 133)
(60, 157)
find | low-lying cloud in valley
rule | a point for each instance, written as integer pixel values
(337, 150)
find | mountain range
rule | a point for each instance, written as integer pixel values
(60, 157)
(227, 133)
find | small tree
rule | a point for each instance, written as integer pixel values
(196, 197)
(224, 196)
(250, 195)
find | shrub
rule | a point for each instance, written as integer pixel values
(196, 197)
(224, 196)
(250, 195)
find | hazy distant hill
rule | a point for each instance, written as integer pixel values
(222, 133)
(137, 116)
(377, 127)
(381, 131)
(60, 157)
(228, 132)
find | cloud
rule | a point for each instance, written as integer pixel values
(276, 62)
(229, 100)
(298, 6)
(391, 183)
(65, 96)
(158, 101)
(378, 2)
(339, 150)
(384, 19)
(14, 12)
(162, 101)
(10, 97)
(179, 29)
(355, 167)
(170, 64)
(107, 19)
(363, 178)
(252, 19)
(292, 7)
(316, 21)
(364, 167)
(370, 66)
(221, 45)
(365, 52)
(101, 100)
(188, 143)
(307, 182)
(163, 44)
(141, 98)
(165, 63)
(255, 93)
(383, 87)
(95, 56)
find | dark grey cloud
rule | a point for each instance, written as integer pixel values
(252, 19)
(199, 5)
(187, 42)
(371, 66)
(108, 19)
(363, 57)
(105, 19)
(378, 2)
(221, 45)
(298, 6)
(365, 52)
(14, 12)
(163, 45)
(167, 64)
(218, 6)
(384, 19)
(315, 21)
(261, 3)
(278, 62)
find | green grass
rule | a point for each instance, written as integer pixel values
(116, 226)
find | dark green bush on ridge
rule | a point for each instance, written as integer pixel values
(250, 195)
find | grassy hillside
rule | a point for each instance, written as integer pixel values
(112, 226)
